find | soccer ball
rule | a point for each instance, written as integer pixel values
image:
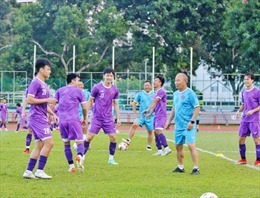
(75, 146)
(208, 195)
(122, 146)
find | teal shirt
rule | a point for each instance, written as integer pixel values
(144, 99)
(184, 104)
(86, 94)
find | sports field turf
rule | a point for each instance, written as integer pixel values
(139, 174)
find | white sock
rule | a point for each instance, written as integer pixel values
(84, 136)
(181, 166)
(72, 166)
(111, 157)
(195, 167)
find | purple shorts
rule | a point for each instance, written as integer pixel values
(3, 118)
(40, 128)
(246, 128)
(71, 130)
(107, 125)
(159, 122)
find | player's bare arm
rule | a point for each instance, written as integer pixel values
(116, 105)
(171, 116)
(193, 118)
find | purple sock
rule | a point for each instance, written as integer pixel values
(112, 148)
(31, 164)
(162, 139)
(68, 154)
(1, 124)
(42, 162)
(242, 150)
(257, 148)
(80, 149)
(86, 145)
(158, 143)
(18, 126)
(28, 140)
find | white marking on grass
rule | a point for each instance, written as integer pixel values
(212, 153)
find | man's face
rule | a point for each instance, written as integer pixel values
(80, 85)
(147, 87)
(248, 81)
(157, 83)
(180, 82)
(108, 78)
(46, 71)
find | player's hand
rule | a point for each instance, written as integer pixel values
(23, 115)
(118, 123)
(56, 118)
(189, 127)
(237, 114)
(249, 113)
(167, 126)
(52, 100)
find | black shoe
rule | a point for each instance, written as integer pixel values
(178, 170)
(195, 171)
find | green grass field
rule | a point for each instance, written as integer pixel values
(139, 174)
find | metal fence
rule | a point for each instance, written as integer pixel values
(215, 94)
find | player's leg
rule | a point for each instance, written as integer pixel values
(149, 123)
(17, 126)
(93, 130)
(112, 148)
(28, 140)
(131, 132)
(243, 133)
(108, 127)
(33, 159)
(179, 141)
(149, 140)
(255, 128)
(47, 146)
(158, 145)
(162, 139)
(180, 159)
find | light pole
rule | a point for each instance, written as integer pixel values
(145, 68)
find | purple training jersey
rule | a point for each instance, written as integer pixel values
(103, 97)
(3, 108)
(69, 98)
(38, 89)
(251, 100)
(160, 108)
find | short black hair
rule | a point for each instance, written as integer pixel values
(161, 78)
(148, 81)
(71, 77)
(109, 70)
(250, 75)
(40, 63)
(18, 104)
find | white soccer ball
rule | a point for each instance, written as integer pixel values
(75, 146)
(122, 146)
(208, 195)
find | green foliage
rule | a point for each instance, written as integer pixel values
(139, 174)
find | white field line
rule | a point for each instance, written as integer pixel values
(215, 154)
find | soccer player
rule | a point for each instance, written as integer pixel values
(18, 116)
(158, 106)
(250, 123)
(144, 98)
(69, 98)
(184, 111)
(28, 138)
(104, 94)
(87, 95)
(4, 113)
(38, 98)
